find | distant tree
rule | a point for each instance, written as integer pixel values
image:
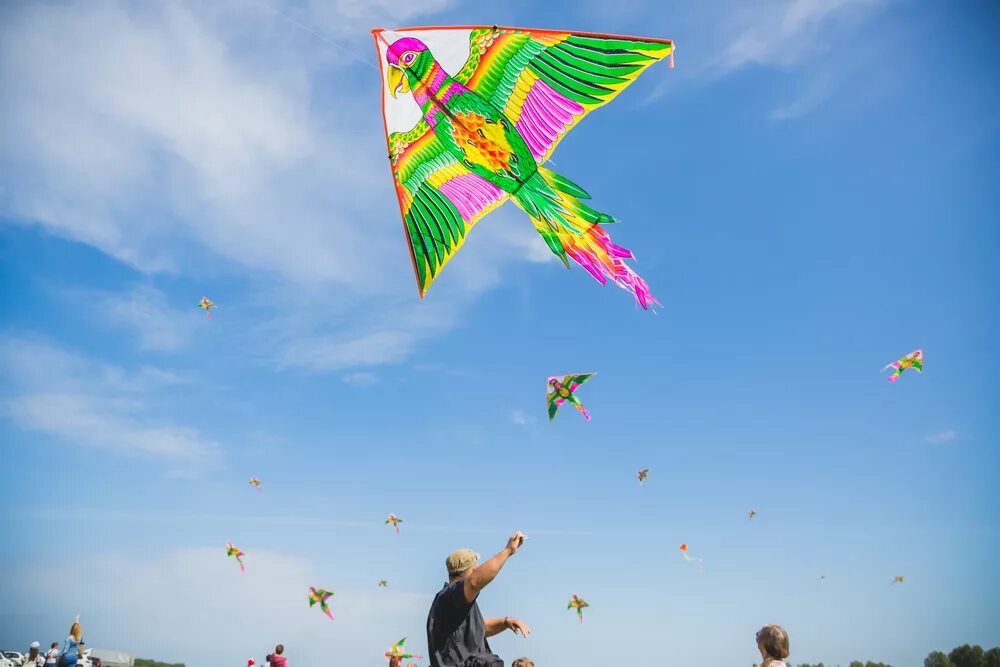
(992, 657)
(144, 662)
(967, 656)
(857, 663)
(938, 659)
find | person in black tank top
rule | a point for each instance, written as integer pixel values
(457, 633)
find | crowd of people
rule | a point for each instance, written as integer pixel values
(457, 632)
(67, 655)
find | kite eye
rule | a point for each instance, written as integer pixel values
(408, 58)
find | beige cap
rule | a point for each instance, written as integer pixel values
(460, 561)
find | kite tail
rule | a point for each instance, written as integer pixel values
(570, 227)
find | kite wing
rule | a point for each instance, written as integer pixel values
(574, 381)
(554, 406)
(439, 198)
(545, 81)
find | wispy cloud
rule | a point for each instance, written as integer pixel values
(146, 312)
(785, 33)
(942, 438)
(151, 131)
(97, 405)
(806, 38)
(162, 135)
(521, 418)
(360, 378)
(270, 596)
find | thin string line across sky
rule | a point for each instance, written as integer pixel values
(317, 34)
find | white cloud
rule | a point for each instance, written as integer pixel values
(168, 137)
(784, 33)
(806, 37)
(97, 405)
(146, 312)
(156, 606)
(520, 418)
(145, 129)
(109, 424)
(942, 438)
(361, 379)
(344, 15)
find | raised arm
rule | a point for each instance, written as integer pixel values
(488, 571)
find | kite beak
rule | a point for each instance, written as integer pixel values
(398, 82)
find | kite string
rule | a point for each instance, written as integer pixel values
(315, 33)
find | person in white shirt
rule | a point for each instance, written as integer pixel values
(34, 658)
(52, 657)
(772, 642)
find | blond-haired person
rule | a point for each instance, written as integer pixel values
(523, 662)
(772, 641)
(70, 652)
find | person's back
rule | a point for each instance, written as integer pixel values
(52, 657)
(69, 655)
(33, 658)
(455, 628)
(277, 659)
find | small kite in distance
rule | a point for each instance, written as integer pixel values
(207, 305)
(689, 558)
(394, 521)
(255, 483)
(751, 514)
(383, 583)
(398, 651)
(562, 389)
(897, 579)
(643, 475)
(320, 596)
(914, 360)
(578, 603)
(235, 552)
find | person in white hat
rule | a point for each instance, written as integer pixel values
(456, 629)
(34, 658)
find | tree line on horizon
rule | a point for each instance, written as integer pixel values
(962, 656)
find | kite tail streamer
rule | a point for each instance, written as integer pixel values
(571, 227)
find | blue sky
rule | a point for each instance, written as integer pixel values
(811, 194)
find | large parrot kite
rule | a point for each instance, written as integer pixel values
(464, 138)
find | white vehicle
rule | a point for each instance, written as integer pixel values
(12, 657)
